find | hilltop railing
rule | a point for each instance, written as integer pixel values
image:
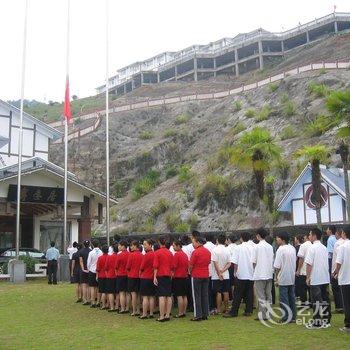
(338, 64)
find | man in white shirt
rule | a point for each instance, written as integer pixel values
(317, 277)
(232, 244)
(284, 264)
(221, 261)
(262, 259)
(304, 289)
(95, 253)
(342, 272)
(210, 245)
(338, 301)
(243, 271)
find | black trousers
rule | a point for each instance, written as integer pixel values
(345, 291)
(200, 297)
(52, 271)
(304, 289)
(243, 290)
(211, 295)
(321, 304)
(336, 294)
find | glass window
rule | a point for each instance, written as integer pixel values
(52, 231)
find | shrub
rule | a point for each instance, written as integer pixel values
(113, 213)
(181, 119)
(289, 109)
(172, 220)
(250, 113)
(237, 106)
(318, 90)
(239, 127)
(225, 153)
(120, 188)
(185, 173)
(30, 263)
(160, 208)
(146, 135)
(193, 221)
(320, 125)
(288, 132)
(273, 87)
(147, 227)
(285, 98)
(322, 71)
(171, 171)
(182, 227)
(170, 133)
(263, 114)
(146, 184)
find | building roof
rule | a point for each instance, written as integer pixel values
(46, 129)
(36, 164)
(333, 177)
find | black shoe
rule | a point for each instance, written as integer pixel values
(86, 303)
(151, 316)
(161, 320)
(167, 319)
(205, 318)
(79, 300)
(247, 314)
(93, 306)
(229, 316)
(196, 319)
(49, 282)
(54, 283)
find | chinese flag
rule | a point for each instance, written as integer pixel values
(67, 111)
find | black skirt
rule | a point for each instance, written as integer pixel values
(164, 286)
(133, 285)
(110, 285)
(147, 288)
(181, 287)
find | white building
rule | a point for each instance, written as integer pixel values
(298, 200)
(42, 188)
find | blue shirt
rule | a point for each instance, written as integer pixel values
(330, 243)
(52, 254)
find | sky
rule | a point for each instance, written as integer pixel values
(138, 29)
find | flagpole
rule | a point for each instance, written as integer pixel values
(66, 141)
(20, 137)
(107, 126)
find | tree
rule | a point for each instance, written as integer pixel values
(256, 151)
(338, 103)
(270, 201)
(315, 155)
(343, 151)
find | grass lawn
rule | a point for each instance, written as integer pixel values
(40, 316)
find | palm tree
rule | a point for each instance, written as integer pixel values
(256, 151)
(270, 201)
(343, 151)
(315, 155)
(338, 103)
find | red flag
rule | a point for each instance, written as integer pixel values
(67, 111)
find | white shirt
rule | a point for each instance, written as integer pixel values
(262, 256)
(221, 256)
(92, 259)
(110, 250)
(302, 254)
(171, 250)
(343, 258)
(285, 261)
(210, 246)
(337, 244)
(317, 257)
(71, 251)
(242, 257)
(188, 250)
(232, 247)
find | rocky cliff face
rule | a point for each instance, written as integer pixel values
(169, 165)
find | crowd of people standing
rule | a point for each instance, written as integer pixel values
(202, 273)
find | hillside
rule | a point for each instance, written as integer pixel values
(169, 164)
